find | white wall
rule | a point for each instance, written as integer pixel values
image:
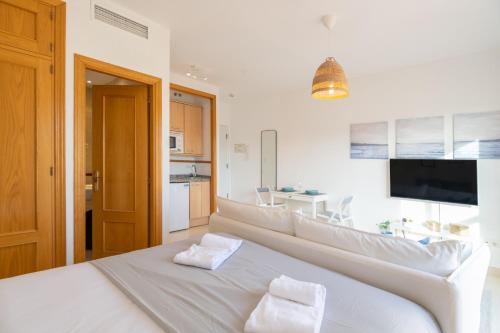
(313, 138)
(101, 41)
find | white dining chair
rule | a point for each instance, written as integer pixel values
(263, 197)
(342, 215)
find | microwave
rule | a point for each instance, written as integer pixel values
(176, 142)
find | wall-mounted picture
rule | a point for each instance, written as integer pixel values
(370, 141)
(420, 138)
(477, 135)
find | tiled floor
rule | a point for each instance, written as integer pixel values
(490, 320)
(184, 234)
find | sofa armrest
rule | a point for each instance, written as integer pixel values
(466, 285)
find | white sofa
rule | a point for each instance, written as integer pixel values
(454, 300)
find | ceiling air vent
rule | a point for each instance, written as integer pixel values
(120, 21)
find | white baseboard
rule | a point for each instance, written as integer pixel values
(494, 271)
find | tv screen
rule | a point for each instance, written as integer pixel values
(453, 181)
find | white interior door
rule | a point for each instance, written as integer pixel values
(224, 166)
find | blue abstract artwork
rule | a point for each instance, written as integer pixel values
(369, 141)
(476, 135)
(420, 138)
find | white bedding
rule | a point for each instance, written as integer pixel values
(75, 298)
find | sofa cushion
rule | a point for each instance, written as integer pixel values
(440, 258)
(273, 218)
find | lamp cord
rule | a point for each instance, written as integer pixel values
(329, 42)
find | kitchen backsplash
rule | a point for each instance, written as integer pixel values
(178, 168)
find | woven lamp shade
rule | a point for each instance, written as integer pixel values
(329, 81)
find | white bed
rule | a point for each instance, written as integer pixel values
(75, 298)
(152, 294)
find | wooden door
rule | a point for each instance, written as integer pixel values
(27, 24)
(176, 117)
(26, 163)
(193, 130)
(120, 162)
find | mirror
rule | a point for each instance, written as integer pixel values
(268, 158)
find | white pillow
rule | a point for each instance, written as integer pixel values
(440, 258)
(273, 218)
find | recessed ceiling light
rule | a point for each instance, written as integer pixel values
(196, 73)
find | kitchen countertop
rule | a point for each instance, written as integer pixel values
(188, 178)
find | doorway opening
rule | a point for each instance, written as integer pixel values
(117, 160)
(193, 159)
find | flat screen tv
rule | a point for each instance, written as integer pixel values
(451, 181)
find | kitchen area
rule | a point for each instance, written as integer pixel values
(190, 160)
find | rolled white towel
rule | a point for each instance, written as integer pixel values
(278, 315)
(213, 240)
(203, 257)
(307, 293)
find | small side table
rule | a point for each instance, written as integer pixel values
(413, 230)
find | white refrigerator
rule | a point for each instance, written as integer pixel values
(178, 215)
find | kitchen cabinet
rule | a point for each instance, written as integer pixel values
(205, 198)
(199, 203)
(193, 130)
(176, 117)
(188, 119)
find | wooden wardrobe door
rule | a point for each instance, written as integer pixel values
(27, 24)
(120, 158)
(27, 156)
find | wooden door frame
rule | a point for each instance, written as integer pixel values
(213, 138)
(59, 132)
(82, 63)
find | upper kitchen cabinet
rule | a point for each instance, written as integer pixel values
(176, 117)
(193, 130)
(188, 119)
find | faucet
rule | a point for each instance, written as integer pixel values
(193, 170)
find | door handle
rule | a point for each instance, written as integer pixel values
(96, 176)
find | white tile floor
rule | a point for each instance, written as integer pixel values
(490, 314)
(184, 234)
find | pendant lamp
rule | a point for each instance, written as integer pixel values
(329, 80)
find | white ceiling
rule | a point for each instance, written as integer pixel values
(270, 46)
